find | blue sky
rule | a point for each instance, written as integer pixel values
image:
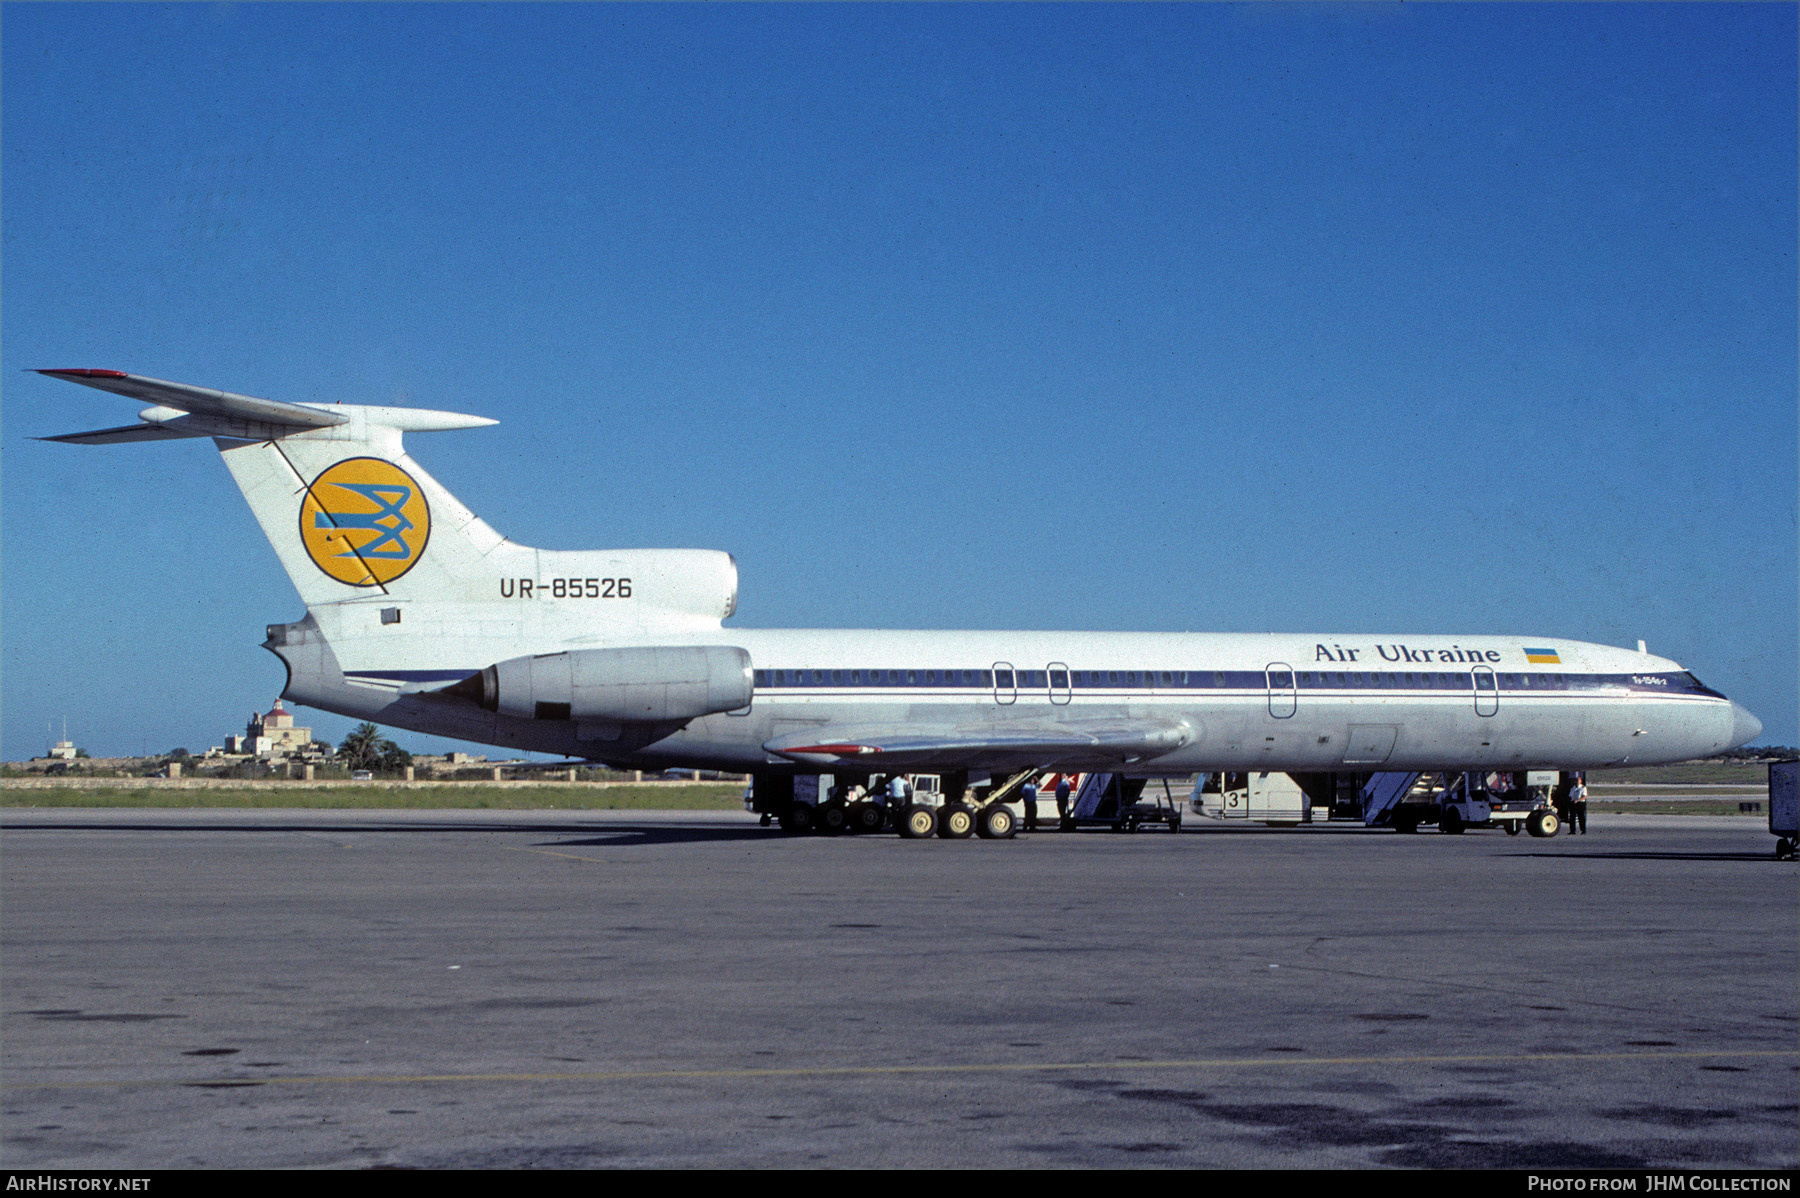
(1464, 318)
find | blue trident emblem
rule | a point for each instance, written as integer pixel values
(389, 522)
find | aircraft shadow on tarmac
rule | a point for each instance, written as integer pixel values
(612, 834)
(648, 835)
(1664, 856)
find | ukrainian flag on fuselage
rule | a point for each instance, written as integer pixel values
(1542, 657)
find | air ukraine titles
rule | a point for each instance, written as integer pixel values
(1455, 653)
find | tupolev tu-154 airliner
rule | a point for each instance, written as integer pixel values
(421, 616)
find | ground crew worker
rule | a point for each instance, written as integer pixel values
(897, 791)
(1578, 806)
(1062, 800)
(1029, 794)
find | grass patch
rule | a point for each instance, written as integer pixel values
(1678, 807)
(1723, 774)
(448, 797)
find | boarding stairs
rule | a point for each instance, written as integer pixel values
(1098, 798)
(1382, 793)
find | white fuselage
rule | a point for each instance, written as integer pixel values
(1250, 702)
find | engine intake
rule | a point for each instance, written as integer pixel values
(650, 684)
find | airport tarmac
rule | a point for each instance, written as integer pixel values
(492, 989)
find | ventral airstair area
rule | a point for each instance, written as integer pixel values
(956, 806)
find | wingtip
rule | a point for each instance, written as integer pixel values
(85, 373)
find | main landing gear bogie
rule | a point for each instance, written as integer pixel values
(918, 821)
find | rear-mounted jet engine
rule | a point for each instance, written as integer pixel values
(640, 685)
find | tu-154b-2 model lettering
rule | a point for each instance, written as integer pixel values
(421, 616)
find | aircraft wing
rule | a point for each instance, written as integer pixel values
(1095, 741)
(200, 401)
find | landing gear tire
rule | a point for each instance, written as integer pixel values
(1451, 822)
(918, 822)
(1512, 827)
(1785, 849)
(995, 822)
(1175, 822)
(797, 819)
(957, 822)
(865, 817)
(1543, 823)
(831, 817)
(1406, 824)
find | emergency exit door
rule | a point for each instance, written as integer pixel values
(1006, 686)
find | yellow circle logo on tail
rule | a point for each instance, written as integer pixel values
(364, 521)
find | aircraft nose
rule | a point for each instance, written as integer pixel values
(1744, 726)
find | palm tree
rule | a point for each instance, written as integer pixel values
(361, 749)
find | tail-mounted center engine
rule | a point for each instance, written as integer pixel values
(621, 685)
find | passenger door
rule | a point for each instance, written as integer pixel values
(1283, 689)
(1487, 690)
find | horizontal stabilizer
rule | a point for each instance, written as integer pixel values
(1097, 741)
(118, 436)
(201, 401)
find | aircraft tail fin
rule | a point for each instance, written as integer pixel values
(359, 525)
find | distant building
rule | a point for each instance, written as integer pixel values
(272, 734)
(62, 750)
